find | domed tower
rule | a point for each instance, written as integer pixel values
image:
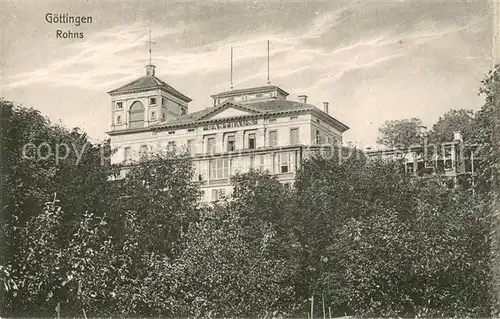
(145, 102)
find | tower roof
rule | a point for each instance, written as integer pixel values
(149, 82)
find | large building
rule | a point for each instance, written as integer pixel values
(256, 128)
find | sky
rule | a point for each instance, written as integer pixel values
(371, 60)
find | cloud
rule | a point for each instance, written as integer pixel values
(120, 50)
(112, 57)
(104, 52)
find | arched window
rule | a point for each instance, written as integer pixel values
(136, 115)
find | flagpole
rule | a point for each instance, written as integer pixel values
(268, 81)
(231, 87)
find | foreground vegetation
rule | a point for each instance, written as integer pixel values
(360, 235)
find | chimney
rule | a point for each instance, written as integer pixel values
(150, 69)
(303, 98)
(457, 136)
(325, 107)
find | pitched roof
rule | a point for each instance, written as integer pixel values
(268, 107)
(261, 108)
(149, 82)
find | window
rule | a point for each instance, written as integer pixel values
(273, 138)
(318, 121)
(219, 168)
(190, 129)
(184, 111)
(136, 119)
(218, 194)
(251, 141)
(420, 165)
(171, 132)
(119, 105)
(258, 95)
(293, 117)
(211, 145)
(283, 162)
(215, 195)
(294, 136)
(318, 137)
(143, 150)
(231, 143)
(152, 101)
(409, 168)
(448, 164)
(236, 165)
(261, 162)
(153, 115)
(118, 119)
(127, 154)
(171, 145)
(190, 146)
(163, 100)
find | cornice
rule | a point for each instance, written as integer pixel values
(196, 123)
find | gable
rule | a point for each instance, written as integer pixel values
(230, 112)
(227, 110)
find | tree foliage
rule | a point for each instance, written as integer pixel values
(387, 244)
(368, 239)
(488, 119)
(461, 120)
(400, 133)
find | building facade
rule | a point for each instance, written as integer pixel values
(456, 159)
(255, 128)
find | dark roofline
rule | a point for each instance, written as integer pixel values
(342, 127)
(391, 151)
(162, 86)
(226, 105)
(157, 87)
(250, 90)
(166, 126)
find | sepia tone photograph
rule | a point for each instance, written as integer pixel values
(250, 159)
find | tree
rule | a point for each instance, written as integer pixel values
(488, 122)
(452, 121)
(221, 274)
(39, 159)
(161, 190)
(262, 203)
(54, 272)
(382, 243)
(400, 133)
